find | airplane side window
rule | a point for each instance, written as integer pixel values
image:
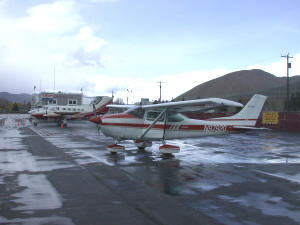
(152, 115)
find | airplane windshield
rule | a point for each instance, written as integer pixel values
(137, 112)
(174, 117)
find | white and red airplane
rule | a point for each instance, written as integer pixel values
(161, 122)
(60, 113)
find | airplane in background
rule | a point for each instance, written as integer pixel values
(161, 122)
(62, 113)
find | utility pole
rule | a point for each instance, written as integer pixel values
(288, 66)
(160, 82)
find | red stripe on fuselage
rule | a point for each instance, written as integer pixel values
(119, 116)
(180, 128)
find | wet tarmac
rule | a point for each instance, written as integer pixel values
(50, 175)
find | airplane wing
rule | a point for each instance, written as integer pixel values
(197, 102)
(121, 106)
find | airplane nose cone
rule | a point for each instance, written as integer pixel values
(96, 120)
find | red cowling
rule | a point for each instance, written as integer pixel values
(96, 120)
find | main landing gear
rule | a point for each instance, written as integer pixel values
(115, 148)
(168, 150)
(141, 145)
(165, 149)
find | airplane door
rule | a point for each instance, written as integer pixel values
(157, 131)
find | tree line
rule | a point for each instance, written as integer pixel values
(294, 104)
(13, 107)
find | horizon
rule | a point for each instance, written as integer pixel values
(56, 91)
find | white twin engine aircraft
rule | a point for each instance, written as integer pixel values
(62, 113)
(161, 122)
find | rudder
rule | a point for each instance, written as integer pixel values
(251, 110)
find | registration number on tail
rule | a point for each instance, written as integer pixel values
(215, 128)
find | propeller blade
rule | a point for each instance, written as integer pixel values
(94, 110)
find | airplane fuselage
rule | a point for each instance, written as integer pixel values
(126, 126)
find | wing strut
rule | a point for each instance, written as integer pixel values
(165, 125)
(153, 123)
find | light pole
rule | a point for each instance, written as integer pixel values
(288, 66)
(160, 82)
(128, 94)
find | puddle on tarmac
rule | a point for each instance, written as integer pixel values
(37, 220)
(22, 160)
(38, 194)
(269, 205)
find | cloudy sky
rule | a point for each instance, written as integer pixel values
(119, 45)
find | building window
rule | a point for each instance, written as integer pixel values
(72, 102)
(52, 102)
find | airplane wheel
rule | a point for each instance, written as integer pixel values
(35, 124)
(141, 148)
(113, 153)
(167, 155)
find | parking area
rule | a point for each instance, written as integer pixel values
(50, 175)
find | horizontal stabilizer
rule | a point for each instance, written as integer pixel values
(249, 128)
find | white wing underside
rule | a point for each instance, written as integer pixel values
(192, 104)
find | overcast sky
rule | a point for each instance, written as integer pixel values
(105, 45)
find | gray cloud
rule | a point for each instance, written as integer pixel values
(82, 58)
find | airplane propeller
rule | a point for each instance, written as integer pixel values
(95, 119)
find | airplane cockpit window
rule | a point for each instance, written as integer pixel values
(152, 115)
(139, 113)
(174, 117)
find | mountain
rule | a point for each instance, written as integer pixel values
(239, 83)
(21, 98)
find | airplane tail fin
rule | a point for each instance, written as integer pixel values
(100, 104)
(250, 113)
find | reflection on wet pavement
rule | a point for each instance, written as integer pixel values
(38, 194)
(37, 220)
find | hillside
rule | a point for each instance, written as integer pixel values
(236, 84)
(20, 98)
